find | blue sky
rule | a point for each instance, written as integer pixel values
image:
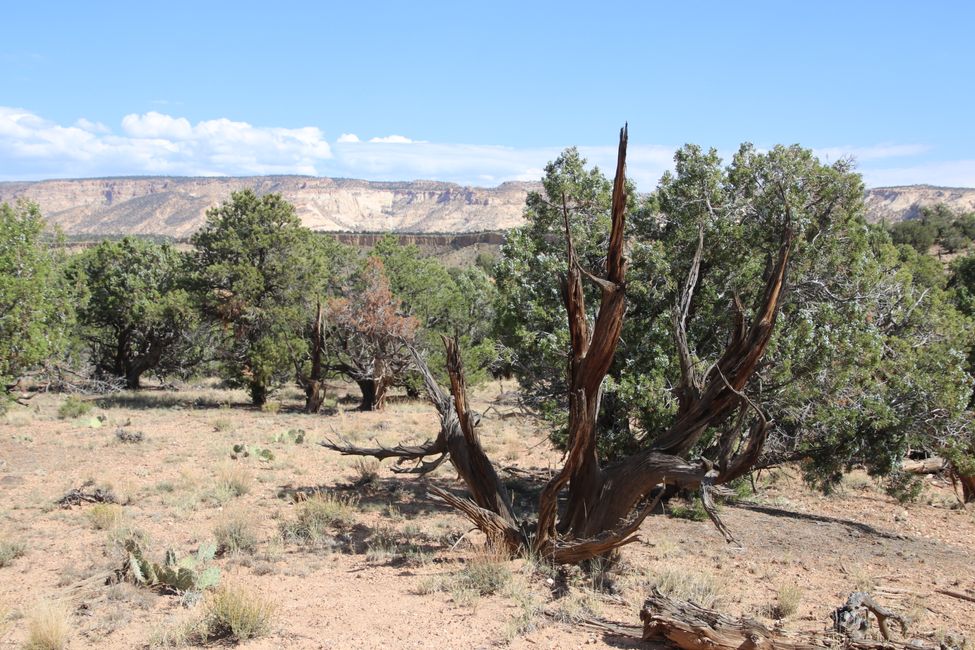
(480, 92)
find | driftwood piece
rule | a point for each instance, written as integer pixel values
(932, 465)
(77, 496)
(955, 594)
(852, 619)
(692, 627)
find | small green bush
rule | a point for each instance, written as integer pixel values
(73, 407)
(10, 551)
(905, 487)
(235, 534)
(318, 516)
(236, 614)
(691, 510)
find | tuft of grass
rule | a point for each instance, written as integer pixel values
(73, 407)
(578, 605)
(529, 611)
(236, 614)
(700, 588)
(318, 515)
(367, 470)
(236, 534)
(47, 627)
(106, 516)
(10, 551)
(485, 573)
(232, 481)
(787, 601)
(691, 510)
(222, 425)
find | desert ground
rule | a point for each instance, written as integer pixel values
(343, 553)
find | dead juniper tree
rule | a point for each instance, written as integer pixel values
(605, 505)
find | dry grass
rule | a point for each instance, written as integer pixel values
(701, 588)
(106, 516)
(318, 516)
(787, 601)
(10, 551)
(48, 627)
(233, 480)
(236, 534)
(366, 469)
(486, 572)
(236, 614)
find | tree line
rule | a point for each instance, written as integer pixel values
(870, 361)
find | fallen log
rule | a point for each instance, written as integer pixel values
(692, 627)
(932, 465)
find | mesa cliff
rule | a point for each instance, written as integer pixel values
(176, 206)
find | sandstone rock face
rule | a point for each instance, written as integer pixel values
(905, 202)
(176, 206)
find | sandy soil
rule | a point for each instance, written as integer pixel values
(392, 576)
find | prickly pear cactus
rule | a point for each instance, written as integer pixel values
(173, 575)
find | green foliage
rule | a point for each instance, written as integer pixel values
(137, 315)
(10, 551)
(73, 407)
(294, 436)
(692, 510)
(193, 573)
(240, 450)
(253, 265)
(868, 354)
(318, 516)
(936, 225)
(35, 306)
(904, 486)
(447, 302)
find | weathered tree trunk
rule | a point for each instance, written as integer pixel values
(605, 506)
(368, 389)
(692, 627)
(313, 384)
(139, 365)
(258, 391)
(967, 488)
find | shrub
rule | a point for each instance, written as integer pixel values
(47, 627)
(10, 551)
(367, 470)
(904, 486)
(318, 515)
(124, 435)
(105, 516)
(787, 601)
(235, 534)
(485, 573)
(73, 407)
(691, 510)
(232, 481)
(236, 614)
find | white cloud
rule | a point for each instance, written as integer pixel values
(32, 147)
(392, 139)
(154, 143)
